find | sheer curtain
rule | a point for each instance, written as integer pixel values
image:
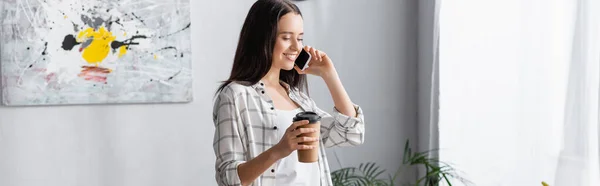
(578, 160)
(519, 91)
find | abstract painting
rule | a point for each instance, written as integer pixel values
(56, 52)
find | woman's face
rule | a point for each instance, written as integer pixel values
(288, 41)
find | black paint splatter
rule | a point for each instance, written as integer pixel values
(115, 21)
(45, 48)
(69, 42)
(186, 27)
(137, 17)
(173, 76)
(169, 47)
(172, 48)
(116, 44)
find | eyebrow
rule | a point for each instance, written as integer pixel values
(290, 33)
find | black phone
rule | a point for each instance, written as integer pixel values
(303, 59)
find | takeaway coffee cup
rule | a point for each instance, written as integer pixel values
(309, 155)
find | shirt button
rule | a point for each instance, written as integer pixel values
(262, 84)
(272, 108)
(272, 170)
(275, 127)
(263, 92)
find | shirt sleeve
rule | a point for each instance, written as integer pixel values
(341, 130)
(227, 142)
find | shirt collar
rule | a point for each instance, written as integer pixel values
(260, 85)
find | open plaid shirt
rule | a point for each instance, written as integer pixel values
(244, 116)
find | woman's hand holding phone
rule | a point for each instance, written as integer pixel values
(319, 64)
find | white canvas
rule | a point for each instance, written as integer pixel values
(95, 51)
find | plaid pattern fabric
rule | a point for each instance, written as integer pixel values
(244, 115)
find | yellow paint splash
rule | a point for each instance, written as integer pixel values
(100, 45)
(66, 17)
(155, 56)
(122, 51)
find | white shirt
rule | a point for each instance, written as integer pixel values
(244, 119)
(291, 172)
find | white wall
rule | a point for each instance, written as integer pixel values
(372, 43)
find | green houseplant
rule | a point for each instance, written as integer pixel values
(370, 174)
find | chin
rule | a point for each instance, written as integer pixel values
(289, 68)
(285, 64)
(288, 65)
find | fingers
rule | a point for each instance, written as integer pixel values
(316, 54)
(307, 48)
(320, 54)
(298, 123)
(306, 147)
(313, 52)
(305, 139)
(295, 131)
(299, 131)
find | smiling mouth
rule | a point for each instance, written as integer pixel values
(291, 57)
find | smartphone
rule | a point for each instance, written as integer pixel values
(303, 59)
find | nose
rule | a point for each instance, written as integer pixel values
(296, 45)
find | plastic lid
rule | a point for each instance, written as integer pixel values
(312, 117)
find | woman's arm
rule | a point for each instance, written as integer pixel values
(339, 95)
(322, 66)
(227, 143)
(252, 169)
(345, 126)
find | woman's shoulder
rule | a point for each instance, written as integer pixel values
(235, 88)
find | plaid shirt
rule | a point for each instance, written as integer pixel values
(244, 116)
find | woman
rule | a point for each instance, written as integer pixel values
(255, 139)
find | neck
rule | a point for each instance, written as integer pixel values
(272, 77)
